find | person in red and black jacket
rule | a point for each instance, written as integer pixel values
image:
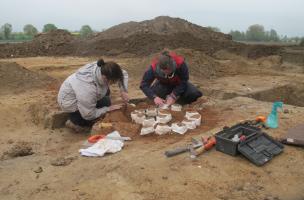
(167, 80)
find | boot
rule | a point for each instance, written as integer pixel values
(75, 127)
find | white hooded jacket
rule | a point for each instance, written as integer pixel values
(81, 91)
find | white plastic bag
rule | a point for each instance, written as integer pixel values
(176, 107)
(103, 146)
(197, 118)
(148, 122)
(191, 124)
(162, 129)
(146, 130)
(151, 112)
(179, 128)
(163, 118)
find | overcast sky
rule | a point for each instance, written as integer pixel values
(285, 16)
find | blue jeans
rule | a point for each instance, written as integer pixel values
(77, 119)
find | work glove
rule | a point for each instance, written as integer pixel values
(159, 101)
(124, 96)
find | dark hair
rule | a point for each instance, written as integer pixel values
(111, 70)
(165, 60)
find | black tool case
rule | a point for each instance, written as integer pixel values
(260, 148)
(224, 141)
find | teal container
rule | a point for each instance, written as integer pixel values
(272, 119)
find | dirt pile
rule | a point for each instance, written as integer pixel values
(56, 42)
(146, 44)
(200, 65)
(15, 78)
(151, 36)
(55, 37)
(162, 25)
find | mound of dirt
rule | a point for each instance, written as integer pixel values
(56, 42)
(151, 36)
(149, 43)
(200, 65)
(15, 78)
(55, 37)
(162, 25)
(270, 61)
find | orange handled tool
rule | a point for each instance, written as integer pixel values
(207, 145)
(95, 138)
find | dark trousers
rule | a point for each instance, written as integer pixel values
(77, 119)
(190, 95)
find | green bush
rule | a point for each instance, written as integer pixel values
(302, 42)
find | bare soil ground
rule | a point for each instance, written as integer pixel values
(38, 162)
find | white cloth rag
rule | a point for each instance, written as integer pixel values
(103, 146)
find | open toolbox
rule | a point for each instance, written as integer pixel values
(255, 145)
(224, 142)
(260, 148)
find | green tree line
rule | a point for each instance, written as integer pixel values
(29, 31)
(257, 33)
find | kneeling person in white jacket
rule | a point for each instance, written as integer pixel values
(85, 94)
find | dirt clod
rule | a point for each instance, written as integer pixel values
(38, 170)
(19, 150)
(61, 161)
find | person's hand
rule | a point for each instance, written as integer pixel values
(115, 107)
(159, 101)
(125, 96)
(170, 100)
